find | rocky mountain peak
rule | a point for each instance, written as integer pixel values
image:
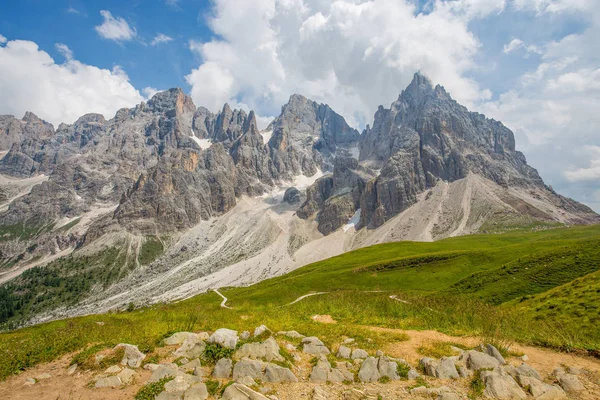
(172, 101)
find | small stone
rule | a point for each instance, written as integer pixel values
(413, 374)
(291, 334)
(151, 367)
(348, 341)
(191, 365)
(290, 347)
(320, 394)
(524, 358)
(180, 337)
(168, 396)
(448, 396)
(315, 349)
(245, 335)
(575, 370)
(72, 369)
(110, 381)
(43, 376)
(29, 381)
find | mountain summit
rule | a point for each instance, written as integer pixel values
(167, 199)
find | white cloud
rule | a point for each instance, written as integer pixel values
(172, 3)
(3, 39)
(72, 10)
(589, 173)
(517, 44)
(149, 92)
(114, 28)
(30, 80)
(65, 51)
(554, 6)
(161, 38)
(351, 54)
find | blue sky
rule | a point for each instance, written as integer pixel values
(532, 64)
(72, 23)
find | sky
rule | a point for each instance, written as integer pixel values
(532, 64)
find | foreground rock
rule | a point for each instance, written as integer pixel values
(237, 391)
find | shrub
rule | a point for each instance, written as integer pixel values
(151, 390)
(214, 352)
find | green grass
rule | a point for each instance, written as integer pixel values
(460, 286)
(151, 390)
(151, 249)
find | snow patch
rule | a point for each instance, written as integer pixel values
(267, 135)
(303, 181)
(352, 222)
(203, 143)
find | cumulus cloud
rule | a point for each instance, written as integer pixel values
(553, 111)
(354, 55)
(161, 38)
(116, 29)
(3, 39)
(553, 6)
(517, 44)
(30, 80)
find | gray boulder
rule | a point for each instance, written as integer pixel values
(133, 357)
(224, 337)
(223, 368)
(359, 353)
(570, 383)
(237, 391)
(476, 360)
(499, 385)
(276, 374)
(192, 347)
(126, 376)
(442, 369)
(344, 352)
(369, 372)
(197, 392)
(260, 330)
(109, 381)
(180, 337)
(292, 196)
(268, 350)
(247, 367)
(492, 351)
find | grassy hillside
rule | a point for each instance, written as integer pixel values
(467, 285)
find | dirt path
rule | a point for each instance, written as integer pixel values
(223, 303)
(303, 297)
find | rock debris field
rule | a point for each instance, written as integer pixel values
(226, 364)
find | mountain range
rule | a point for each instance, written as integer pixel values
(167, 200)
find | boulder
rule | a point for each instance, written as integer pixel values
(320, 372)
(115, 369)
(192, 347)
(260, 330)
(191, 365)
(109, 381)
(476, 360)
(127, 376)
(238, 391)
(388, 368)
(448, 396)
(163, 371)
(442, 369)
(368, 370)
(344, 352)
(291, 334)
(359, 353)
(315, 349)
(180, 337)
(151, 366)
(570, 383)
(224, 337)
(132, 357)
(168, 396)
(292, 196)
(494, 352)
(539, 389)
(499, 385)
(223, 368)
(177, 385)
(268, 350)
(196, 392)
(247, 367)
(413, 374)
(526, 370)
(246, 380)
(276, 374)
